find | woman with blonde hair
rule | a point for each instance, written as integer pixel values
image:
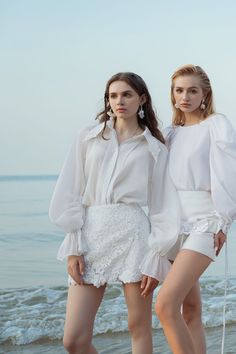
(202, 164)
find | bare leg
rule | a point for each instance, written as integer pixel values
(192, 313)
(139, 318)
(185, 272)
(82, 305)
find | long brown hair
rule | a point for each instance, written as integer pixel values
(189, 69)
(150, 119)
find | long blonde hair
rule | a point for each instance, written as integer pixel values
(189, 69)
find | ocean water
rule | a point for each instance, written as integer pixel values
(33, 284)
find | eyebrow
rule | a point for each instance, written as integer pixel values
(127, 91)
(192, 87)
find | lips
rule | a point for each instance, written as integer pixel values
(121, 110)
(185, 105)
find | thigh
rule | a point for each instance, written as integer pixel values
(185, 272)
(82, 305)
(139, 308)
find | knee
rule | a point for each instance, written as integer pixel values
(165, 308)
(139, 326)
(192, 312)
(76, 345)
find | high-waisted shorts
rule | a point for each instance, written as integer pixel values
(199, 223)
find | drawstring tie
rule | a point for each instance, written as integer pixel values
(225, 292)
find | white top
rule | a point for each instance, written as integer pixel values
(202, 157)
(98, 172)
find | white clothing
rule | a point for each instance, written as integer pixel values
(116, 237)
(202, 157)
(199, 224)
(98, 172)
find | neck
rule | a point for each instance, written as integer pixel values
(126, 126)
(193, 117)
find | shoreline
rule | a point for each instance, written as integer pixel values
(119, 343)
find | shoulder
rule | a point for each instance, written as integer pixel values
(216, 120)
(167, 131)
(89, 132)
(156, 147)
(218, 123)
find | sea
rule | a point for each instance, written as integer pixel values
(33, 284)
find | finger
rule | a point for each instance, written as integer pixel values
(74, 273)
(147, 288)
(78, 278)
(143, 282)
(216, 242)
(220, 247)
(81, 266)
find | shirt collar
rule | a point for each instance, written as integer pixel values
(153, 143)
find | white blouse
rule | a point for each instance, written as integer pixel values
(203, 157)
(98, 172)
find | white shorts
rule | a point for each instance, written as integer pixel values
(199, 224)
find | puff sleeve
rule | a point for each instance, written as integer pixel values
(164, 215)
(223, 170)
(66, 209)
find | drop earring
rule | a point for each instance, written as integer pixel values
(202, 106)
(176, 105)
(111, 114)
(141, 112)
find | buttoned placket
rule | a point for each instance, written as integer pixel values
(111, 163)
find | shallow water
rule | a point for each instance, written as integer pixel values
(33, 284)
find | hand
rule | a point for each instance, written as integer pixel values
(75, 267)
(148, 284)
(219, 240)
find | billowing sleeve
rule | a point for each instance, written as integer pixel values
(164, 214)
(223, 170)
(66, 210)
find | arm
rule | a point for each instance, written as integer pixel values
(223, 171)
(66, 210)
(164, 217)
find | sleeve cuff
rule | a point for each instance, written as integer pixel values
(72, 245)
(155, 266)
(224, 224)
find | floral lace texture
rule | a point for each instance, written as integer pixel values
(116, 237)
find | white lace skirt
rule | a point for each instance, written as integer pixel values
(116, 237)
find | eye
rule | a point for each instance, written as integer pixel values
(178, 90)
(112, 95)
(127, 94)
(194, 91)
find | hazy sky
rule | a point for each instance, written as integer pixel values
(56, 56)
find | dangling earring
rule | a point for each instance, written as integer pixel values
(202, 106)
(176, 105)
(111, 114)
(141, 112)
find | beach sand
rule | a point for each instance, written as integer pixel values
(119, 343)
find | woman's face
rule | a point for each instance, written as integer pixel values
(124, 100)
(188, 93)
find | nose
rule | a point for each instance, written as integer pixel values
(185, 96)
(120, 100)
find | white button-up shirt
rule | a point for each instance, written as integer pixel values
(98, 172)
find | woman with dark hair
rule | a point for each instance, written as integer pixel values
(113, 170)
(202, 164)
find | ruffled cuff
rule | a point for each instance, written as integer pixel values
(72, 245)
(224, 223)
(155, 266)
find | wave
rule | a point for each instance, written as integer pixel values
(37, 314)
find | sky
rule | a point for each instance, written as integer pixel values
(57, 55)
